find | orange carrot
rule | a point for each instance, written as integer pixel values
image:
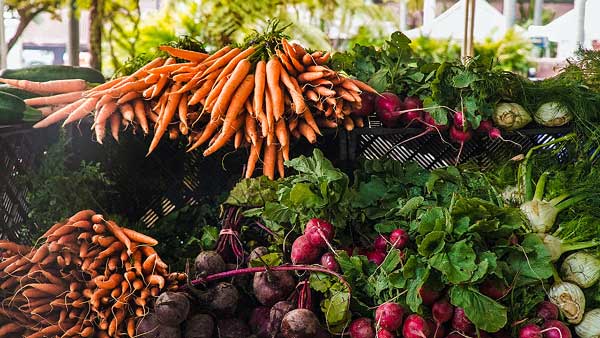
(112, 282)
(251, 128)
(239, 98)
(259, 87)
(182, 109)
(322, 91)
(253, 157)
(307, 132)
(139, 110)
(269, 159)
(208, 132)
(282, 133)
(139, 237)
(184, 54)
(59, 114)
(149, 264)
(167, 116)
(310, 76)
(222, 61)
(48, 87)
(310, 120)
(201, 92)
(233, 63)
(214, 94)
(105, 112)
(238, 139)
(273, 71)
(115, 122)
(156, 280)
(295, 92)
(216, 55)
(363, 86)
(127, 112)
(280, 166)
(225, 97)
(225, 135)
(121, 236)
(84, 109)
(286, 63)
(56, 99)
(128, 97)
(47, 288)
(269, 117)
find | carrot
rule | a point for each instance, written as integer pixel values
(14, 247)
(149, 264)
(48, 87)
(285, 61)
(251, 128)
(166, 69)
(233, 63)
(115, 122)
(7, 329)
(222, 61)
(282, 133)
(53, 100)
(307, 132)
(106, 111)
(111, 250)
(139, 109)
(59, 114)
(87, 332)
(83, 215)
(310, 76)
(216, 55)
(208, 132)
(280, 167)
(273, 71)
(269, 159)
(311, 95)
(48, 331)
(214, 94)
(140, 73)
(167, 116)
(201, 92)
(99, 228)
(112, 282)
(139, 237)
(120, 235)
(238, 138)
(156, 280)
(363, 86)
(182, 109)
(322, 91)
(239, 99)
(131, 326)
(225, 97)
(292, 55)
(310, 120)
(253, 157)
(295, 92)
(49, 289)
(323, 59)
(8, 261)
(81, 111)
(129, 97)
(307, 59)
(326, 123)
(184, 53)
(225, 135)
(259, 87)
(134, 86)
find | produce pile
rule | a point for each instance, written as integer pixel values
(89, 277)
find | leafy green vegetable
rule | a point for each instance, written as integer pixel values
(484, 312)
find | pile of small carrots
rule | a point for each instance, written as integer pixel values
(258, 97)
(89, 278)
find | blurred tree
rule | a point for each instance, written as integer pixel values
(27, 11)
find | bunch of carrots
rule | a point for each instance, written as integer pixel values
(259, 96)
(89, 278)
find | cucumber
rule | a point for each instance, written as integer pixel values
(53, 72)
(18, 92)
(11, 108)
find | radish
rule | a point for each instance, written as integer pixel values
(362, 328)
(318, 232)
(383, 333)
(530, 331)
(439, 332)
(459, 119)
(328, 261)
(303, 252)
(461, 137)
(376, 257)
(408, 117)
(555, 329)
(485, 126)
(389, 316)
(388, 107)
(428, 295)
(367, 106)
(399, 238)
(442, 312)
(493, 288)
(380, 243)
(415, 327)
(547, 310)
(461, 323)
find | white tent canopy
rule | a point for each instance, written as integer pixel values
(489, 23)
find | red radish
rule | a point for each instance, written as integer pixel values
(555, 329)
(412, 102)
(547, 310)
(428, 295)
(328, 261)
(530, 331)
(415, 327)
(383, 333)
(362, 328)
(376, 257)
(399, 238)
(367, 106)
(388, 107)
(389, 119)
(459, 119)
(461, 137)
(485, 126)
(389, 316)
(442, 312)
(408, 117)
(303, 252)
(319, 232)
(493, 288)
(380, 243)
(413, 110)
(349, 250)
(439, 332)
(461, 323)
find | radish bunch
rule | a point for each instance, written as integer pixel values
(307, 248)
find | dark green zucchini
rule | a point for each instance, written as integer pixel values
(11, 109)
(53, 72)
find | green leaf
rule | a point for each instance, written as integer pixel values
(413, 297)
(320, 282)
(379, 80)
(209, 238)
(484, 312)
(369, 193)
(411, 206)
(279, 213)
(432, 220)
(464, 79)
(336, 308)
(302, 195)
(253, 192)
(270, 259)
(487, 263)
(531, 261)
(457, 264)
(432, 243)
(391, 261)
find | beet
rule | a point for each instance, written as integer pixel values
(362, 328)
(416, 327)
(376, 257)
(303, 252)
(319, 232)
(276, 314)
(383, 333)
(239, 281)
(555, 329)
(232, 328)
(461, 323)
(428, 295)
(272, 286)
(259, 321)
(149, 327)
(328, 261)
(199, 325)
(380, 243)
(399, 238)
(257, 252)
(300, 323)
(493, 288)
(389, 316)
(209, 263)
(367, 106)
(172, 308)
(222, 298)
(547, 310)
(530, 331)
